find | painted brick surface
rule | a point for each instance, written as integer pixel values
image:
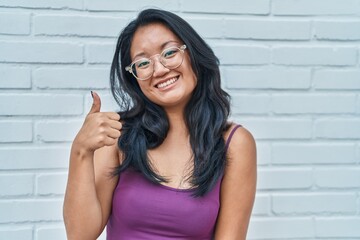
(290, 66)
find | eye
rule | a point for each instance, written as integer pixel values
(170, 52)
(143, 63)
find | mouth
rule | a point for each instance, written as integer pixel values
(167, 82)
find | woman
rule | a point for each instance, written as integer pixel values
(169, 166)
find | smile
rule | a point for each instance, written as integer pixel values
(167, 83)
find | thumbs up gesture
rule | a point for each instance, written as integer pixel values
(99, 129)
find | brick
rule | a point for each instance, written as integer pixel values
(52, 232)
(251, 104)
(15, 131)
(270, 179)
(31, 210)
(263, 152)
(109, 5)
(15, 77)
(313, 103)
(313, 153)
(15, 23)
(18, 233)
(16, 184)
(331, 56)
(58, 130)
(261, 205)
(337, 30)
(244, 55)
(100, 53)
(337, 177)
(278, 128)
(339, 227)
(337, 128)
(52, 183)
(201, 26)
(55, 4)
(280, 228)
(267, 29)
(70, 25)
(33, 104)
(72, 78)
(41, 52)
(44, 157)
(258, 7)
(318, 7)
(337, 79)
(237, 78)
(314, 203)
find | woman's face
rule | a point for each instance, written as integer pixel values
(166, 87)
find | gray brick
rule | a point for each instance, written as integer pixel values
(339, 178)
(273, 228)
(277, 178)
(313, 153)
(58, 130)
(278, 128)
(52, 232)
(337, 30)
(263, 152)
(110, 5)
(313, 103)
(15, 131)
(33, 104)
(237, 78)
(18, 233)
(331, 56)
(52, 183)
(244, 55)
(16, 184)
(250, 104)
(267, 29)
(14, 23)
(43, 157)
(337, 79)
(201, 26)
(337, 128)
(261, 7)
(261, 205)
(30, 210)
(72, 78)
(311, 203)
(339, 227)
(15, 77)
(319, 7)
(41, 52)
(67, 25)
(55, 4)
(100, 53)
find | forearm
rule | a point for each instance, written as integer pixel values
(82, 209)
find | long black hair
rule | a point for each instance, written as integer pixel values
(145, 124)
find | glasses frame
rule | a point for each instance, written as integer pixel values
(130, 67)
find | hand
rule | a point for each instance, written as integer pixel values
(99, 129)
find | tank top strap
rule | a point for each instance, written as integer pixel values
(230, 136)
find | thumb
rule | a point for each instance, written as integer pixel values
(96, 103)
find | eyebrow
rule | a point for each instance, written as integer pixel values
(162, 46)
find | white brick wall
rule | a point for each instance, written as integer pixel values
(291, 66)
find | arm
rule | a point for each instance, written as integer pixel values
(89, 190)
(238, 188)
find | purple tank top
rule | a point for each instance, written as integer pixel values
(144, 210)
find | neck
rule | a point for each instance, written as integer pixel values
(177, 125)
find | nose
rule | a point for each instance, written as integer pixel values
(159, 68)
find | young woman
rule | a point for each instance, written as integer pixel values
(170, 165)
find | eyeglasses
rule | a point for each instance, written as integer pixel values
(170, 58)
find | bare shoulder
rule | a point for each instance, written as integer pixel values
(242, 143)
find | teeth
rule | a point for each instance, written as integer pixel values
(167, 83)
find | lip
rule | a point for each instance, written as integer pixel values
(164, 80)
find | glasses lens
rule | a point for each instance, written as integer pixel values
(172, 57)
(142, 68)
